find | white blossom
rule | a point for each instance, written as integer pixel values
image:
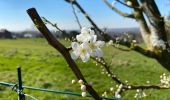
(86, 35)
(95, 49)
(87, 45)
(82, 51)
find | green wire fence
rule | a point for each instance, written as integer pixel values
(21, 96)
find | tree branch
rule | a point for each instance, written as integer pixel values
(125, 86)
(58, 46)
(54, 25)
(135, 7)
(77, 19)
(99, 31)
(102, 62)
(118, 11)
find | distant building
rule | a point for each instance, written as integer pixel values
(5, 34)
(28, 35)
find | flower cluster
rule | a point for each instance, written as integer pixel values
(165, 80)
(117, 95)
(139, 94)
(82, 87)
(104, 94)
(86, 45)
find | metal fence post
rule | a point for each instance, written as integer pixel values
(21, 95)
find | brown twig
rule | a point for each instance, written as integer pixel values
(63, 50)
(54, 25)
(77, 19)
(125, 86)
(128, 5)
(107, 68)
(118, 11)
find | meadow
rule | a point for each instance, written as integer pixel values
(43, 67)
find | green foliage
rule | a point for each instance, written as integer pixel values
(42, 66)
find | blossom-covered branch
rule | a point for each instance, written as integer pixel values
(97, 30)
(58, 46)
(124, 86)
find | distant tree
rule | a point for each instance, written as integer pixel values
(5, 34)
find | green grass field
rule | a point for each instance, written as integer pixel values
(43, 67)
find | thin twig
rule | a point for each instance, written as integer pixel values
(77, 19)
(118, 11)
(54, 25)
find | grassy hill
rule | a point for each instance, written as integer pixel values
(43, 67)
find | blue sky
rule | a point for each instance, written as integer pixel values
(14, 17)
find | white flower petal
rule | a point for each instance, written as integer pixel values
(74, 55)
(75, 45)
(85, 57)
(85, 30)
(98, 53)
(93, 38)
(92, 32)
(85, 45)
(83, 37)
(79, 37)
(100, 43)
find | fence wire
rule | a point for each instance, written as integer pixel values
(52, 91)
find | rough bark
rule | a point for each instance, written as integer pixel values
(152, 29)
(156, 21)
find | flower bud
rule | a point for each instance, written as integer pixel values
(73, 81)
(111, 89)
(80, 81)
(83, 87)
(129, 3)
(83, 94)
